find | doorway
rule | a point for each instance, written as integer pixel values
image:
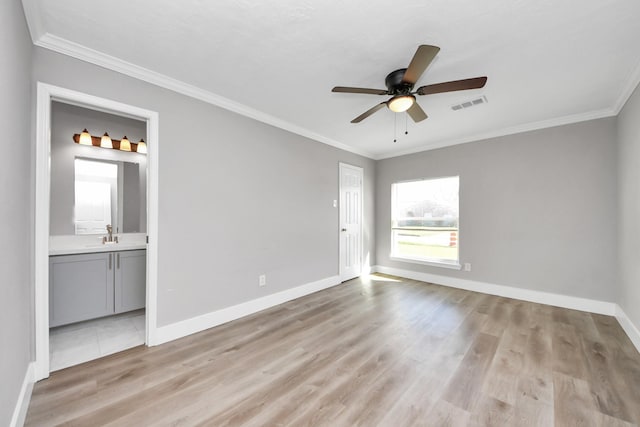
(46, 95)
(97, 291)
(350, 182)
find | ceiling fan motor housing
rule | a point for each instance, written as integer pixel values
(395, 85)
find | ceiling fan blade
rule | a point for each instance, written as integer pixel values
(416, 113)
(475, 83)
(421, 60)
(369, 112)
(343, 89)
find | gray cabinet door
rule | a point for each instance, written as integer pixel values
(80, 287)
(130, 280)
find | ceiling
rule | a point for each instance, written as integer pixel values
(548, 62)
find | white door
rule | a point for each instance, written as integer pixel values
(93, 207)
(350, 221)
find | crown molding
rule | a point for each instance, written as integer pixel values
(57, 44)
(33, 17)
(83, 53)
(527, 127)
(632, 83)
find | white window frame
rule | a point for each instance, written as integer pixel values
(433, 262)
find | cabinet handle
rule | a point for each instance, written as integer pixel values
(110, 261)
(118, 261)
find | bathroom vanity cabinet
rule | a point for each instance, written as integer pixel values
(87, 286)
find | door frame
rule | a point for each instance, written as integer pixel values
(360, 170)
(47, 93)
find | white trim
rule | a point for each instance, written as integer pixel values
(432, 263)
(360, 170)
(45, 94)
(631, 330)
(153, 209)
(41, 244)
(83, 53)
(22, 405)
(33, 18)
(627, 91)
(557, 300)
(200, 323)
(526, 127)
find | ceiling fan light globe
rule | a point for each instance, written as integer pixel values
(401, 103)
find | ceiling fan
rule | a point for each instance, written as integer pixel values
(400, 86)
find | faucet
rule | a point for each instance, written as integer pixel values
(109, 238)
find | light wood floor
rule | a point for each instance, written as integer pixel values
(376, 351)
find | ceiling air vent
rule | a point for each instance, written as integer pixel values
(467, 104)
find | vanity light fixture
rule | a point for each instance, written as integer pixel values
(105, 141)
(125, 145)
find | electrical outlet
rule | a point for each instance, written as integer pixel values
(262, 280)
(467, 266)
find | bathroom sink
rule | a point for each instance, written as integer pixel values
(67, 245)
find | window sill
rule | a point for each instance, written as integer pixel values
(453, 265)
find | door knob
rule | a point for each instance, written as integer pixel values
(344, 229)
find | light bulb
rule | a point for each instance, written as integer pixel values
(125, 145)
(105, 141)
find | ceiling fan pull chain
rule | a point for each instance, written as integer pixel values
(395, 125)
(406, 126)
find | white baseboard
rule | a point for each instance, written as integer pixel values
(632, 331)
(200, 323)
(565, 301)
(22, 405)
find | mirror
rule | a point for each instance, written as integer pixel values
(107, 193)
(96, 194)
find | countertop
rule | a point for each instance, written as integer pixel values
(67, 245)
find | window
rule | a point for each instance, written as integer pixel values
(424, 221)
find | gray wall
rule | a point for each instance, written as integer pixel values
(537, 210)
(67, 120)
(16, 206)
(134, 218)
(238, 198)
(629, 207)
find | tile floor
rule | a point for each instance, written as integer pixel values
(80, 342)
